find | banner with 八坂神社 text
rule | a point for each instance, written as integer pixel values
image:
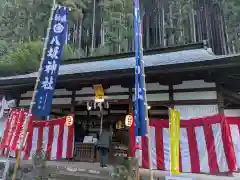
(52, 58)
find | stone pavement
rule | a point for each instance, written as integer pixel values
(92, 171)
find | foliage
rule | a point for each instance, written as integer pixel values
(26, 57)
(124, 170)
(99, 27)
(232, 13)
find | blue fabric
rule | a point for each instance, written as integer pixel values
(51, 63)
(139, 112)
(103, 156)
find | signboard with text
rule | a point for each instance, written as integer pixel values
(99, 92)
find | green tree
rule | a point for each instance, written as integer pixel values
(26, 58)
(99, 27)
(118, 24)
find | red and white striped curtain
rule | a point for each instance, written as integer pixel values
(207, 145)
(54, 137)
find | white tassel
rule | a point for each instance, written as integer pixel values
(95, 105)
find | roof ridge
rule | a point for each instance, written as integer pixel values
(179, 57)
(147, 52)
(210, 51)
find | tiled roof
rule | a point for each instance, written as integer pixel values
(178, 57)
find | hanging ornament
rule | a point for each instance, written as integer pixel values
(100, 106)
(89, 107)
(69, 121)
(95, 105)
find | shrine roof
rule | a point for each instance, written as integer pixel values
(159, 59)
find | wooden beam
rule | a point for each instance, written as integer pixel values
(184, 102)
(231, 100)
(127, 93)
(229, 93)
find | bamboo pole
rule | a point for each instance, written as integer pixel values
(146, 111)
(93, 27)
(28, 117)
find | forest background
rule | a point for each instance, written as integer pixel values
(102, 27)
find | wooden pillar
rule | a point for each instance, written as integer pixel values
(171, 99)
(131, 143)
(220, 98)
(130, 110)
(73, 102)
(18, 98)
(72, 110)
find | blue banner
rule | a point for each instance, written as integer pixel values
(140, 121)
(50, 67)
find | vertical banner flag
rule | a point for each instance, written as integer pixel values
(140, 121)
(174, 126)
(51, 62)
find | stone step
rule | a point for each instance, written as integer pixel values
(82, 176)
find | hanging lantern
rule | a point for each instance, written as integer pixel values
(99, 93)
(128, 120)
(69, 121)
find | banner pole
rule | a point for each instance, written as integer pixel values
(141, 83)
(28, 117)
(146, 108)
(147, 118)
(145, 102)
(170, 147)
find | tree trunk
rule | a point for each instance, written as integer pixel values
(80, 34)
(102, 33)
(29, 28)
(74, 33)
(227, 39)
(147, 28)
(119, 33)
(159, 24)
(171, 34)
(93, 26)
(193, 24)
(208, 24)
(223, 36)
(181, 27)
(164, 39)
